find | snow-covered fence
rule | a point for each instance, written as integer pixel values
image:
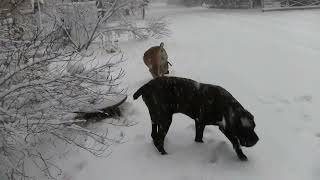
(245, 4)
(186, 2)
(271, 5)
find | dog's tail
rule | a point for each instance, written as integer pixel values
(139, 92)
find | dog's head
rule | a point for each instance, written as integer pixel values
(243, 127)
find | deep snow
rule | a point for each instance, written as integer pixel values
(268, 61)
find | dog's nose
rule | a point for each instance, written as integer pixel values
(253, 141)
(250, 140)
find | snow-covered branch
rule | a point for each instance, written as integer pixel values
(42, 80)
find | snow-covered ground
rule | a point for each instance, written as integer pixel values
(268, 61)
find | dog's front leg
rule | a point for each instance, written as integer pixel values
(236, 144)
(199, 132)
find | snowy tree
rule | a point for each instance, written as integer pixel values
(105, 21)
(46, 72)
(43, 80)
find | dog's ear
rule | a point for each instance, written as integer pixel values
(161, 45)
(245, 122)
(247, 119)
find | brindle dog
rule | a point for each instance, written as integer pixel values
(156, 59)
(206, 104)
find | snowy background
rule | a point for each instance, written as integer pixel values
(268, 61)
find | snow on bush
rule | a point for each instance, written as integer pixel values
(47, 71)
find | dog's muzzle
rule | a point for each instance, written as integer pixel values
(250, 140)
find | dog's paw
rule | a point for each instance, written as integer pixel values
(198, 140)
(161, 150)
(164, 153)
(242, 157)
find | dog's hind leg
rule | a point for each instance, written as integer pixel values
(160, 127)
(154, 132)
(163, 129)
(199, 132)
(154, 124)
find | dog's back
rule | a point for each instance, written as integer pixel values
(168, 88)
(171, 94)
